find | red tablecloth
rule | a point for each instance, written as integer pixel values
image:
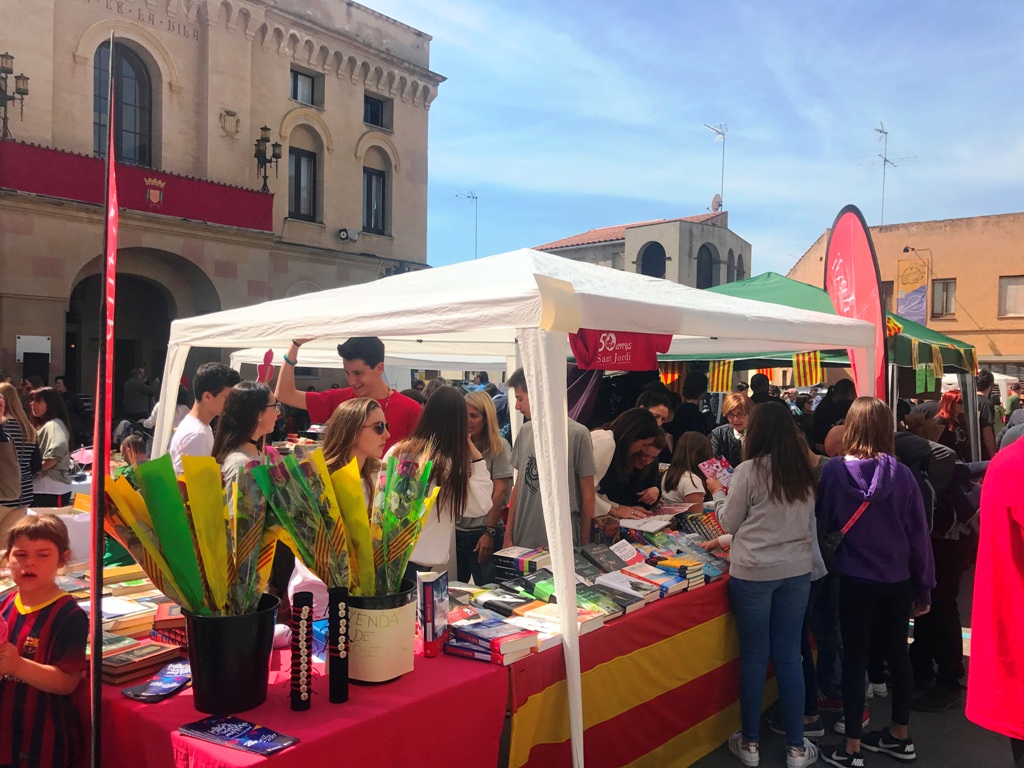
(416, 720)
(660, 686)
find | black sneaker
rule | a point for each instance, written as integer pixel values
(812, 730)
(883, 741)
(937, 699)
(837, 755)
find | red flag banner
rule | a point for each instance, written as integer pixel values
(852, 282)
(617, 350)
(101, 424)
(720, 376)
(807, 369)
(766, 372)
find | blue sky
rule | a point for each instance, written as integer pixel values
(566, 116)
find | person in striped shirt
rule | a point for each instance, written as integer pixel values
(42, 651)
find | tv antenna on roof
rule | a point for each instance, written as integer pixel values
(720, 130)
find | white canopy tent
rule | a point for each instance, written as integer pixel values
(488, 307)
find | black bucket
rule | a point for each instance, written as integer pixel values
(230, 658)
(381, 633)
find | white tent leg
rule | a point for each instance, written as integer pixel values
(544, 355)
(174, 367)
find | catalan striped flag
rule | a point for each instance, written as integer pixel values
(807, 369)
(766, 372)
(720, 376)
(892, 328)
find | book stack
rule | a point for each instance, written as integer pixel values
(123, 616)
(687, 568)
(715, 566)
(629, 585)
(603, 557)
(665, 582)
(516, 561)
(505, 600)
(539, 585)
(702, 523)
(142, 658)
(587, 619)
(490, 639)
(169, 625)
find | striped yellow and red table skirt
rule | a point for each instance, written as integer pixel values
(660, 688)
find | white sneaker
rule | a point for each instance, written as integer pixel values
(878, 690)
(798, 757)
(749, 753)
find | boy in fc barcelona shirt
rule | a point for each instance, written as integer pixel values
(42, 657)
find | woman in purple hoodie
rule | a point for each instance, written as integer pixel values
(886, 572)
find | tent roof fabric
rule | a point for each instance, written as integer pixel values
(474, 307)
(773, 287)
(618, 232)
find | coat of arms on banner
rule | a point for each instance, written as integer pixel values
(155, 191)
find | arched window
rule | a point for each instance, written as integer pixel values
(652, 260)
(708, 266)
(730, 267)
(133, 105)
(741, 269)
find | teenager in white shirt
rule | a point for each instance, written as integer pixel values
(210, 387)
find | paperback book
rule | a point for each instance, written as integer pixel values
(432, 608)
(603, 557)
(495, 635)
(238, 734)
(470, 651)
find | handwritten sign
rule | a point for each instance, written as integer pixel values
(381, 642)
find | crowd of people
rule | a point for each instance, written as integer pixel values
(840, 528)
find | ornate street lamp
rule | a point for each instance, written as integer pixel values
(20, 91)
(264, 161)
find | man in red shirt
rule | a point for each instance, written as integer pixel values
(363, 360)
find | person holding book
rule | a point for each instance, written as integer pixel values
(770, 511)
(459, 470)
(525, 523)
(356, 430)
(684, 483)
(250, 412)
(727, 439)
(886, 572)
(43, 657)
(476, 538)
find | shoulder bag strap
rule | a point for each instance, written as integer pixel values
(849, 523)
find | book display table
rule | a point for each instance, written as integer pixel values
(416, 720)
(660, 686)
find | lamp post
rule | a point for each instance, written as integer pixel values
(264, 161)
(20, 91)
(471, 195)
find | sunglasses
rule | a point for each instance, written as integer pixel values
(380, 427)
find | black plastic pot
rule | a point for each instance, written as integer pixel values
(230, 658)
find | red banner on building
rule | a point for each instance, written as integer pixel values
(852, 282)
(617, 350)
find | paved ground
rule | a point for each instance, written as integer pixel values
(945, 740)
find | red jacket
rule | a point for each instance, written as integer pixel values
(995, 683)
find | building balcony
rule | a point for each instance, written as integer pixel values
(69, 176)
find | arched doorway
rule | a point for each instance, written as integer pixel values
(708, 264)
(153, 288)
(652, 260)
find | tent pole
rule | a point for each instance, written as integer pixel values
(544, 354)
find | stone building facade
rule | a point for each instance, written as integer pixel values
(343, 90)
(971, 273)
(699, 251)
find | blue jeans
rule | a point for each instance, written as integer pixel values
(769, 619)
